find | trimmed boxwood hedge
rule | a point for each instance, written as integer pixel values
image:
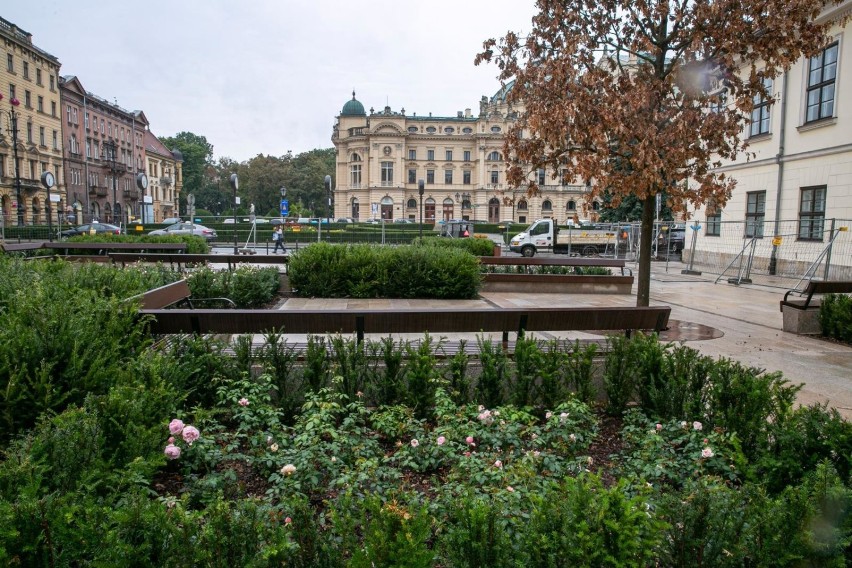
(370, 271)
(475, 246)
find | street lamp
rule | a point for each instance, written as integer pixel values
(421, 187)
(13, 130)
(328, 196)
(235, 184)
(47, 180)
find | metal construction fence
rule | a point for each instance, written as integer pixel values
(745, 252)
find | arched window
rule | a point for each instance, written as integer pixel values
(494, 156)
(572, 205)
(596, 205)
(522, 205)
(411, 204)
(355, 158)
(546, 205)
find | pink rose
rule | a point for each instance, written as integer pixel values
(172, 452)
(469, 441)
(190, 434)
(243, 402)
(659, 427)
(498, 464)
(288, 520)
(510, 489)
(697, 426)
(414, 443)
(441, 440)
(175, 426)
(706, 453)
(171, 440)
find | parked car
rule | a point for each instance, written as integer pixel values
(170, 221)
(187, 228)
(672, 240)
(403, 221)
(89, 228)
(346, 220)
(228, 221)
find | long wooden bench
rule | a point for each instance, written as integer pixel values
(64, 247)
(392, 321)
(20, 247)
(800, 311)
(553, 261)
(180, 259)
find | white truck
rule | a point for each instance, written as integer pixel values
(545, 236)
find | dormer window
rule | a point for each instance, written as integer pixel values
(413, 129)
(449, 130)
(431, 129)
(467, 130)
(495, 129)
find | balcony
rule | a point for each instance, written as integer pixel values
(131, 193)
(30, 184)
(166, 180)
(99, 190)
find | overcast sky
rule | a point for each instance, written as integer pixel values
(268, 76)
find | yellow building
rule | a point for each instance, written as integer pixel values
(165, 180)
(30, 128)
(382, 156)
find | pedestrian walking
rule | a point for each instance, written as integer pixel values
(278, 239)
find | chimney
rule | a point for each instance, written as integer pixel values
(467, 113)
(459, 114)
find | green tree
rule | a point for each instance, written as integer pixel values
(647, 96)
(197, 154)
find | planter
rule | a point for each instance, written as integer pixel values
(557, 284)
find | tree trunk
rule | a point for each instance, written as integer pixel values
(646, 246)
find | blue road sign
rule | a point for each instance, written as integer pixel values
(285, 207)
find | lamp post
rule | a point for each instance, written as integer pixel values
(47, 180)
(13, 130)
(328, 196)
(421, 187)
(235, 184)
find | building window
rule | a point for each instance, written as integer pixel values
(30, 132)
(74, 115)
(102, 126)
(53, 108)
(412, 129)
(26, 70)
(86, 120)
(449, 130)
(430, 176)
(449, 155)
(467, 130)
(355, 158)
(68, 113)
(41, 138)
(28, 99)
(714, 224)
(411, 203)
(596, 205)
(466, 177)
(412, 154)
(755, 211)
(495, 177)
(495, 129)
(430, 155)
(822, 74)
(541, 179)
(494, 156)
(522, 205)
(760, 113)
(40, 103)
(38, 76)
(431, 129)
(10, 63)
(812, 213)
(51, 82)
(467, 155)
(571, 205)
(546, 205)
(448, 177)
(412, 176)
(387, 174)
(56, 140)
(355, 176)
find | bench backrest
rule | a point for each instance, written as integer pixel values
(193, 257)
(551, 261)
(165, 296)
(116, 246)
(443, 320)
(829, 287)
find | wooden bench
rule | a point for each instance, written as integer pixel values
(554, 261)
(173, 294)
(393, 321)
(801, 313)
(20, 247)
(110, 247)
(180, 259)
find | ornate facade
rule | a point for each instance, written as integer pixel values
(30, 128)
(382, 156)
(104, 150)
(165, 180)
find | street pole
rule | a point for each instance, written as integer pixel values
(235, 184)
(421, 187)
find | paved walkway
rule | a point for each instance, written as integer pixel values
(745, 322)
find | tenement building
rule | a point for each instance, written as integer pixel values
(165, 180)
(30, 128)
(794, 195)
(382, 156)
(104, 150)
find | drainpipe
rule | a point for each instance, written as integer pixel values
(779, 158)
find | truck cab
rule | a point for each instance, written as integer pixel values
(544, 235)
(537, 237)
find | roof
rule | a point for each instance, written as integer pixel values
(154, 146)
(353, 108)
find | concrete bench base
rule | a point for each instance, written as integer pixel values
(801, 321)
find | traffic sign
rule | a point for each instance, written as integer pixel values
(285, 208)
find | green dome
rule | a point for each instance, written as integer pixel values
(353, 108)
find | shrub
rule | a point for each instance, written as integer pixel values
(369, 271)
(835, 317)
(475, 246)
(194, 244)
(247, 286)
